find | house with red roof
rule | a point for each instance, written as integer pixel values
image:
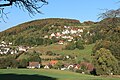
(53, 62)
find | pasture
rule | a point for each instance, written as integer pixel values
(42, 74)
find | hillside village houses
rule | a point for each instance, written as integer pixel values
(88, 66)
(5, 48)
(68, 33)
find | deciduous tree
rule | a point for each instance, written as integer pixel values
(105, 63)
(32, 6)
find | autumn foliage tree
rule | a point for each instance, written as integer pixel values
(105, 63)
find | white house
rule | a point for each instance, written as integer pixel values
(46, 36)
(46, 67)
(70, 66)
(52, 35)
(73, 31)
(22, 49)
(10, 43)
(80, 30)
(3, 42)
(66, 31)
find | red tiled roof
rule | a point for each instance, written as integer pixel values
(52, 62)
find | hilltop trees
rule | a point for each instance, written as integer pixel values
(111, 17)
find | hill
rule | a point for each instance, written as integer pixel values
(39, 24)
(37, 29)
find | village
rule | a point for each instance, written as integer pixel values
(59, 40)
(83, 67)
(68, 34)
(7, 48)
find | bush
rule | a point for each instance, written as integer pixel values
(74, 45)
(79, 45)
(70, 46)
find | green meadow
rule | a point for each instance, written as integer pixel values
(59, 49)
(42, 74)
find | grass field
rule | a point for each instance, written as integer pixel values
(86, 53)
(41, 74)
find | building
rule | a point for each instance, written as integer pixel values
(33, 65)
(53, 62)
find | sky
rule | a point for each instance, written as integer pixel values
(82, 10)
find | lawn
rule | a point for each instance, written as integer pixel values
(42, 74)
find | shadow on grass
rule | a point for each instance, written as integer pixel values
(24, 77)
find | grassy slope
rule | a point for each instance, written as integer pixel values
(86, 53)
(47, 75)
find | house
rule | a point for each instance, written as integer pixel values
(69, 40)
(3, 42)
(65, 26)
(33, 65)
(10, 43)
(46, 36)
(70, 66)
(80, 30)
(52, 35)
(13, 52)
(61, 42)
(73, 31)
(46, 67)
(24, 49)
(58, 34)
(53, 62)
(66, 31)
(77, 66)
(63, 69)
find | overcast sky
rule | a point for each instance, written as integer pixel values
(83, 10)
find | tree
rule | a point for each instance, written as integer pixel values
(105, 63)
(70, 46)
(112, 16)
(58, 65)
(32, 6)
(23, 63)
(8, 61)
(79, 44)
(33, 56)
(113, 46)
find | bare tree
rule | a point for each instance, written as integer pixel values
(112, 15)
(32, 6)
